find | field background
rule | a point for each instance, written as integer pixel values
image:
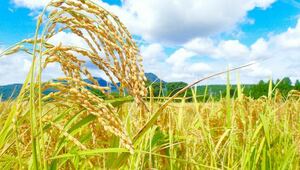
(135, 120)
(230, 133)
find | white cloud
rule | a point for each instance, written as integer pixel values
(31, 4)
(262, 3)
(201, 46)
(152, 53)
(176, 67)
(259, 49)
(179, 21)
(199, 67)
(232, 50)
(282, 51)
(191, 25)
(175, 21)
(181, 68)
(180, 56)
(154, 58)
(277, 56)
(67, 38)
(14, 69)
(229, 49)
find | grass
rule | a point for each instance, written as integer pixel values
(73, 128)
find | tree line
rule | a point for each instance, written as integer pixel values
(284, 86)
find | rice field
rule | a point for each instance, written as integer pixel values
(72, 128)
(228, 134)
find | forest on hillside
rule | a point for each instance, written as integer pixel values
(283, 86)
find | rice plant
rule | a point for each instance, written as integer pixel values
(73, 128)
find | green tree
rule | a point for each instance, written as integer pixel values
(285, 86)
(158, 88)
(258, 90)
(174, 87)
(297, 85)
(286, 81)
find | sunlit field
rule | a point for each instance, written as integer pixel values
(237, 133)
(79, 124)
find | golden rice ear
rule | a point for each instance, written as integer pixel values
(12, 50)
(294, 93)
(109, 47)
(74, 92)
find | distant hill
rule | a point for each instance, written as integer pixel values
(170, 88)
(151, 77)
(100, 80)
(12, 90)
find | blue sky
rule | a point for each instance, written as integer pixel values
(280, 16)
(188, 39)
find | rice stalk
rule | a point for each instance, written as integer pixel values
(110, 49)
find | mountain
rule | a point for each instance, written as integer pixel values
(100, 80)
(12, 90)
(151, 77)
(103, 82)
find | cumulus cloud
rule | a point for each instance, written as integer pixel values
(201, 46)
(190, 25)
(31, 4)
(180, 21)
(175, 21)
(67, 38)
(14, 69)
(276, 56)
(182, 68)
(180, 56)
(229, 49)
(199, 67)
(152, 53)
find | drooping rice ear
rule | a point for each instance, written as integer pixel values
(12, 50)
(108, 46)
